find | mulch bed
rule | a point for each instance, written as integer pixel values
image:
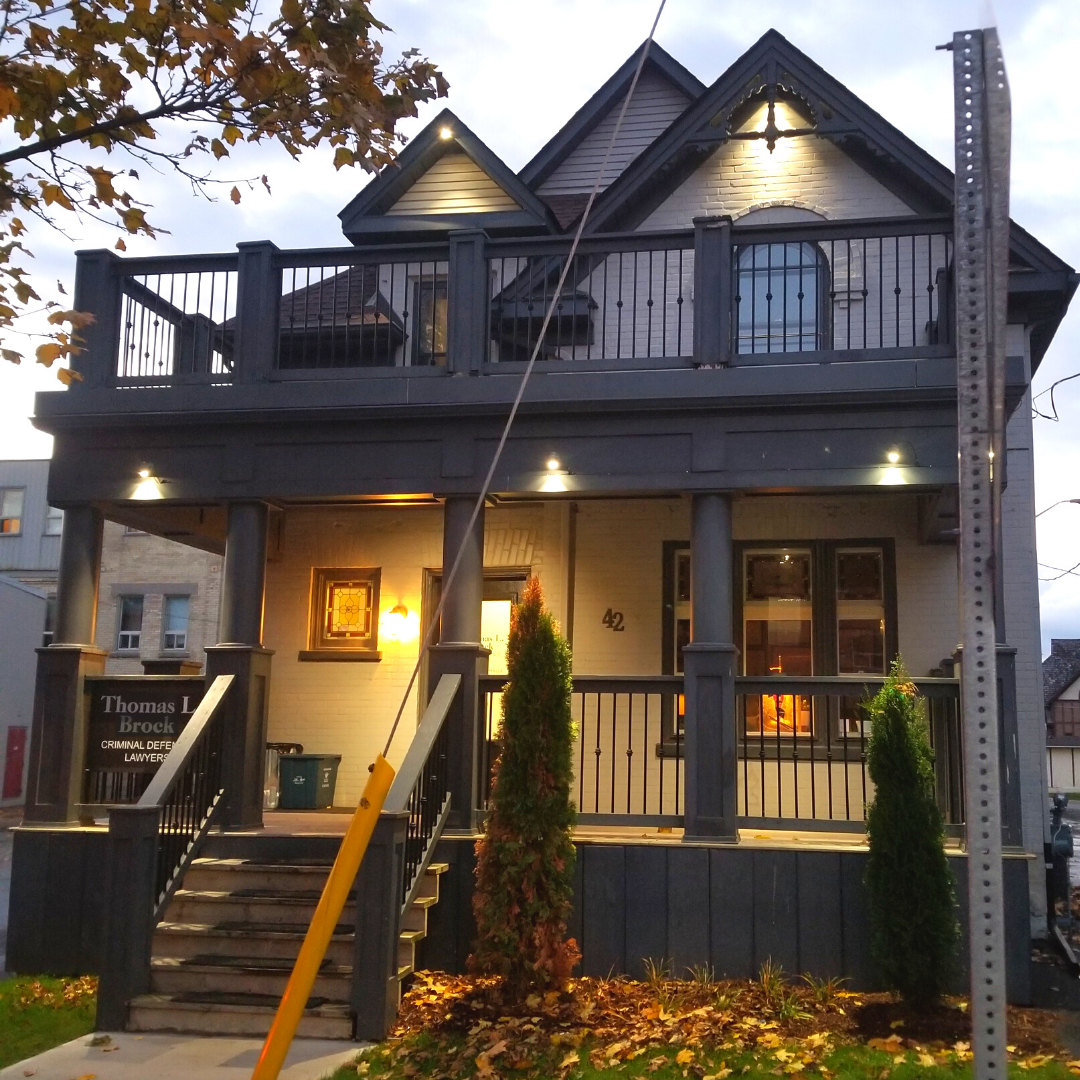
(626, 1018)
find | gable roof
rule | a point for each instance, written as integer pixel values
(378, 210)
(1061, 668)
(883, 151)
(659, 64)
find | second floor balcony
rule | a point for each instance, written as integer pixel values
(715, 296)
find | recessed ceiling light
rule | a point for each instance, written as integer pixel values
(446, 133)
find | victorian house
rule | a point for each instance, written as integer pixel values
(734, 472)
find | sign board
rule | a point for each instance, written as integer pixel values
(134, 720)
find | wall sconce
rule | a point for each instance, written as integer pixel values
(446, 133)
(555, 472)
(399, 624)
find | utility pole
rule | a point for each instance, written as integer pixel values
(981, 231)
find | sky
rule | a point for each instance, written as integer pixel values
(518, 71)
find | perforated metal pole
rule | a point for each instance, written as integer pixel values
(981, 231)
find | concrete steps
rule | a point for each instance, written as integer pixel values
(222, 956)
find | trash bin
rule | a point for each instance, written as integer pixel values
(308, 781)
(272, 772)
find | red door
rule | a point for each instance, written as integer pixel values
(13, 767)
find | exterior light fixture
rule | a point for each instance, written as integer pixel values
(553, 464)
(144, 473)
(446, 133)
(893, 456)
(771, 132)
(399, 624)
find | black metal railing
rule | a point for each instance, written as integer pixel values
(188, 790)
(801, 749)
(803, 743)
(624, 299)
(177, 320)
(421, 788)
(628, 747)
(350, 310)
(845, 288)
(799, 292)
(113, 787)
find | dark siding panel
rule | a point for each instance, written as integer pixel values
(28, 909)
(857, 961)
(1017, 932)
(646, 907)
(821, 936)
(575, 925)
(688, 908)
(959, 868)
(731, 892)
(451, 926)
(605, 909)
(776, 909)
(64, 884)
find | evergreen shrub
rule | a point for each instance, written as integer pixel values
(525, 859)
(911, 889)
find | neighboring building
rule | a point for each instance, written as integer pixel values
(29, 527)
(734, 471)
(1061, 693)
(157, 600)
(22, 622)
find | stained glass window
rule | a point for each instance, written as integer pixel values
(348, 609)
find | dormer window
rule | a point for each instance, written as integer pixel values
(781, 298)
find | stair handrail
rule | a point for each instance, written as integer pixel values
(188, 790)
(421, 790)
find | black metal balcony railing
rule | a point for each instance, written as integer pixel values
(801, 749)
(729, 295)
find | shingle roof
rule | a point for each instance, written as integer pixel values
(1061, 668)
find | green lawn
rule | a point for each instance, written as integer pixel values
(39, 1013)
(422, 1057)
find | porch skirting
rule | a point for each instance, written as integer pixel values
(689, 904)
(731, 908)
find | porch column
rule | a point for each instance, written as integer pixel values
(58, 739)
(460, 652)
(240, 653)
(709, 665)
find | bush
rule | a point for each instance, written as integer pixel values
(525, 860)
(912, 897)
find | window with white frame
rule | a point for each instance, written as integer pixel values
(129, 625)
(11, 510)
(174, 623)
(54, 521)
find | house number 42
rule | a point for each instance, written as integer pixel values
(613, 620)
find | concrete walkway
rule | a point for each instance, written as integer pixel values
(179, 1057)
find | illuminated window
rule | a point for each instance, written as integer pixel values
(345, 606)
(429, 322)
(11, 510)
(778, 636)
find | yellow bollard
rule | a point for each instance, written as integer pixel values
(325, 919)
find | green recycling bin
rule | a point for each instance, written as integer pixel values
(308, 781)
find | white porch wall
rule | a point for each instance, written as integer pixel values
(802, 171)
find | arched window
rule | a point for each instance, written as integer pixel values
(781, 298)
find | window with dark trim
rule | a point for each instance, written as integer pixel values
(175, 615)
(344, 616)
(429, 322)
(781, 294)
(129, 624)
(11, 510)
(801, 608)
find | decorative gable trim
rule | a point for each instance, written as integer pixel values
(378, 209)
(569, 137)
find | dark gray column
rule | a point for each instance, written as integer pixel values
(460, 652)
(712, 290)
(709, 665)
(77, 582)
(128, 903)
(245, 575)
(258, 294)
(378, 914)
(97, 290)
(58, 737)
(240, 653)
(467, 302)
